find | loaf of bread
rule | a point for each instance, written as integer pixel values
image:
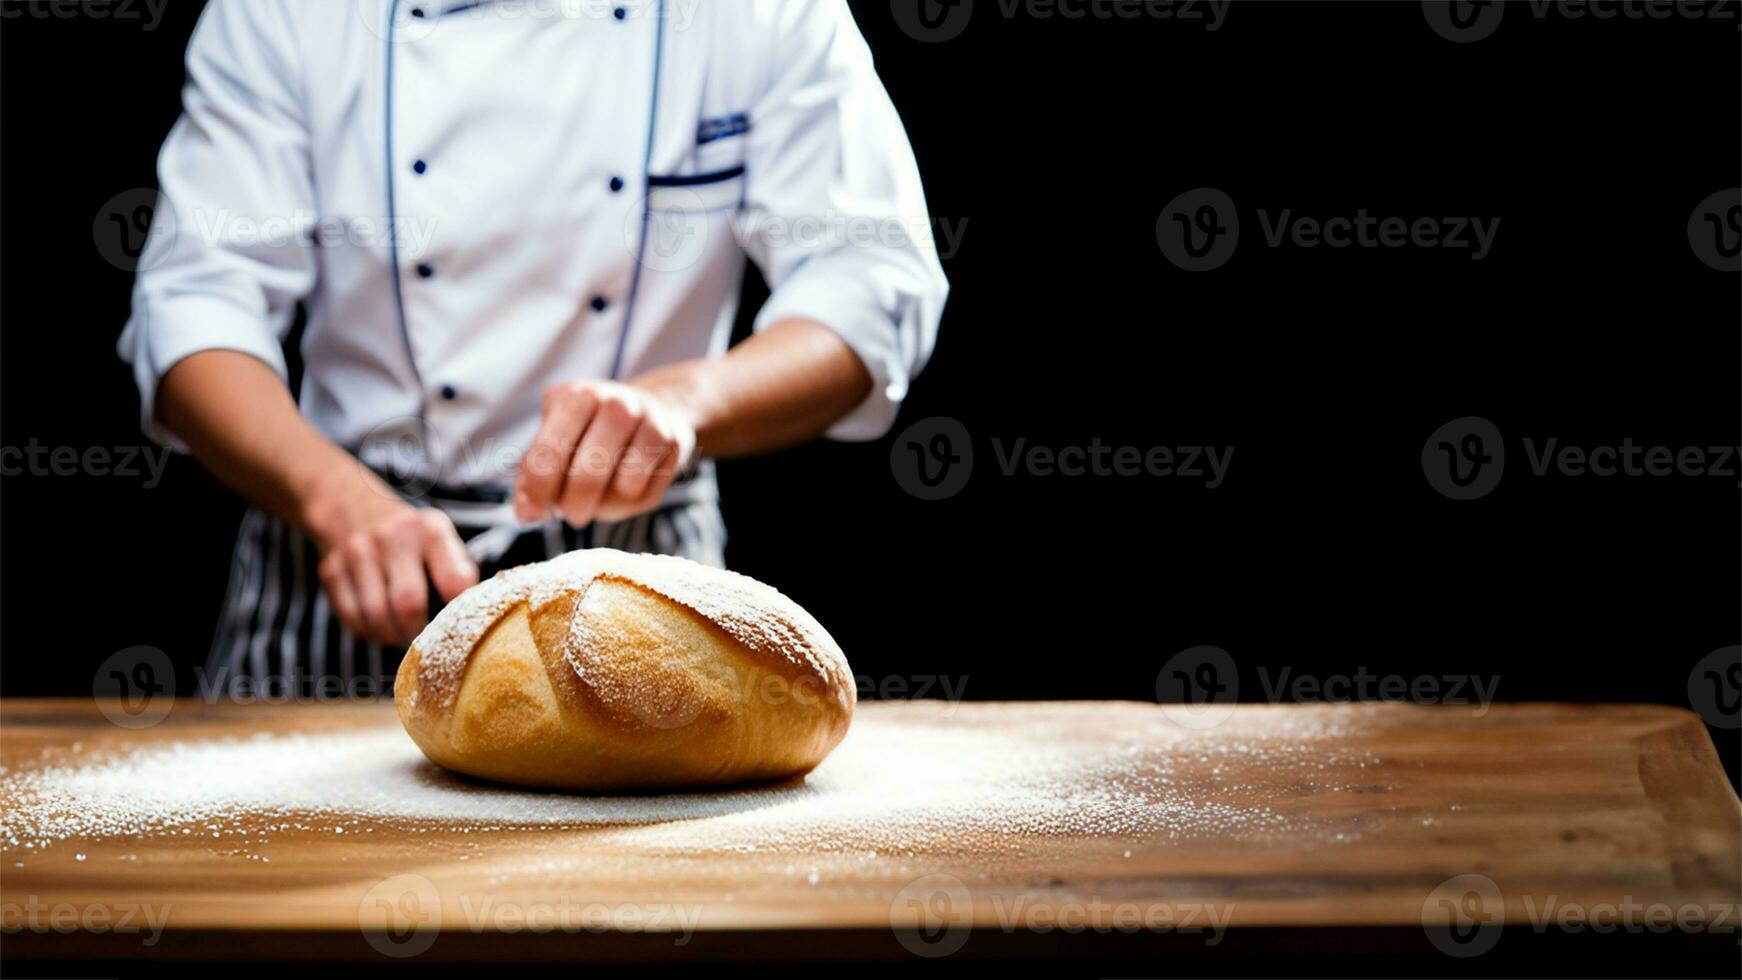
(601, 670)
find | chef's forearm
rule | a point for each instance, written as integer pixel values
(782, 386)
(240, 421)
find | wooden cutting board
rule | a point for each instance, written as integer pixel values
(316, 831)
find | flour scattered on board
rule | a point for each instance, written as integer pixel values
(908, 780)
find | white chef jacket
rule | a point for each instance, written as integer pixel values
(476, 200)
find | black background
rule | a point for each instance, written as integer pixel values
(1059, 142)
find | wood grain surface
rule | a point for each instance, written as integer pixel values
(1555, 805)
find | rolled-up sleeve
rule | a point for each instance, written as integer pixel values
(837, 218)
(227, 259)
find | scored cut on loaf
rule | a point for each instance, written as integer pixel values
(601, 670)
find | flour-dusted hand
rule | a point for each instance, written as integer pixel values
(603, 451)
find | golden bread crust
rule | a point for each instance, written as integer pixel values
(603, 671)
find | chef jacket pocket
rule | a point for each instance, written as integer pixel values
(715, 190)
(688, 216)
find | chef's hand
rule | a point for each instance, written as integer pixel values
(380, 556)
(378, 553)
(604, 451)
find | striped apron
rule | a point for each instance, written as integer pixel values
(278, 638)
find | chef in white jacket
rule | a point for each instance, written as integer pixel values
(517, 228)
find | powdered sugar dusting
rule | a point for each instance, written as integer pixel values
(447, 641)
(756, 615)
(973, 781)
